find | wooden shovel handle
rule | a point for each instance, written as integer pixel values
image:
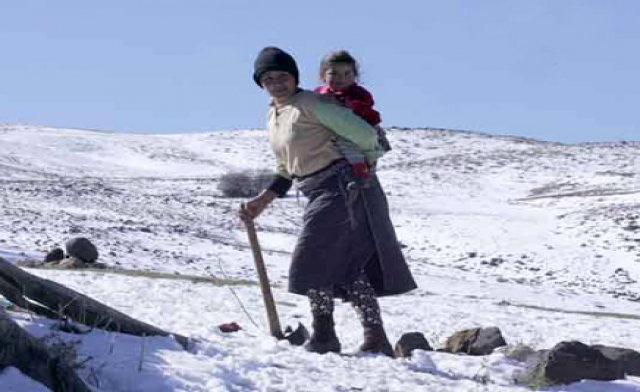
(269, 303)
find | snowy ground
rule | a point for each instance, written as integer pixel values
(490, 226)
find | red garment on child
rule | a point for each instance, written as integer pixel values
(356, 98)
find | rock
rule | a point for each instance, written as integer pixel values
(487, 340)
(409, 342)
(82, 249)
(56, 254)
(632, 226)
(569, 362)
(70, 263)
(519, 352)
(476, 341)
(229, 327)
(627, 359)
(30, 263)
(460, 341)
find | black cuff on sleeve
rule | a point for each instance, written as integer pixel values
(280, 185)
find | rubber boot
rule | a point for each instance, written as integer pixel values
(376, 341)
(323, 339)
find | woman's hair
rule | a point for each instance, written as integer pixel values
(339, 57)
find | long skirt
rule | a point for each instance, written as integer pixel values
(347, 230)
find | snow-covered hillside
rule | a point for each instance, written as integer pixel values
(490, 226)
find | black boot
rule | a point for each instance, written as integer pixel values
(323, 339)
(364, 301)
(376, 341)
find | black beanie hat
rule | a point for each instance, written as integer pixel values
(274, 59)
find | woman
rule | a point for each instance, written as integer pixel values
(348, 247)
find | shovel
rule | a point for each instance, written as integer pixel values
(296, 337)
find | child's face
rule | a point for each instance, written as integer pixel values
(339, 76)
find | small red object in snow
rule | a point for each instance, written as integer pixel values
(229, 327)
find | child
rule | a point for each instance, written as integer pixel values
(339, 71)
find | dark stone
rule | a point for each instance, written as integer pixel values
(409, 342)
(229, 327)
(487, 340)
(569, 362)
(298, 336)
(628, 359)
(82, 249)
(476, 341)
(633, 226)
(56, 254)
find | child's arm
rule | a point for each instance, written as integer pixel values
(346, 124)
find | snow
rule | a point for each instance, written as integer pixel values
(533, 237)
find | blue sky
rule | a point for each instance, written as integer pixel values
(562, 70)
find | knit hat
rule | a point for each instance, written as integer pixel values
(274, 59)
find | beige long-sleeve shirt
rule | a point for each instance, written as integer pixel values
(303, 131)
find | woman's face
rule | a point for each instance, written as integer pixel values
(279, 84)
(339, 76)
